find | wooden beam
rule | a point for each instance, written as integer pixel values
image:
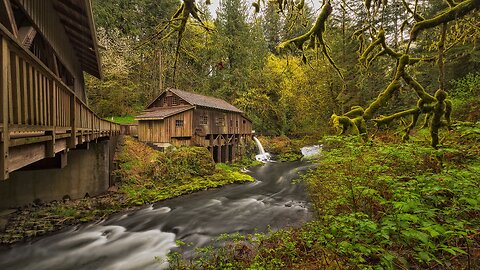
(7, 18)
(6, 85)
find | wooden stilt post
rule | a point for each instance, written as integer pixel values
(6, 85)
(219, 148)
(234, 145)
(227, 151)
(211, 144)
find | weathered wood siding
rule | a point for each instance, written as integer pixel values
(220, 122)
(161, 131)
(168, 100)
(47, 22)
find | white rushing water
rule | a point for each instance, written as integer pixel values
(262, 155)
(311, 151)
(143, 238)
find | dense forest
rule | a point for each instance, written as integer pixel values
(400, 78)
(235, 55)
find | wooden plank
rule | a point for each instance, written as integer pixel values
(5, 133)
(41, 98)
(50, 147)
(16, 89)
(73, 139)
(24, 80)
(10, 96)
(31, 92)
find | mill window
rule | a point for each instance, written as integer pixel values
(220, 121)
(179, 123)
(175, 101)
(204, 120)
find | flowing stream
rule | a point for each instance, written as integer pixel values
(133, 240)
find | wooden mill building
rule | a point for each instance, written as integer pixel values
(181, 118)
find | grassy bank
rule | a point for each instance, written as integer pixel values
(382, 205)
(145, 176)
(123, 120)
(149, 176)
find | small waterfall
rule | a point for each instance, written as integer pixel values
(311, 151)
(262, 155)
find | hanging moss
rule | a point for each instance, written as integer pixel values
(412, 125)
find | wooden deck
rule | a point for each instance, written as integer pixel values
(39, 115)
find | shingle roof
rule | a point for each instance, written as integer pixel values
(162, 113)
(204, 101)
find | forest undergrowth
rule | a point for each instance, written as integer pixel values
(380, 205)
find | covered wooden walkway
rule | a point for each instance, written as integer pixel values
(40, 115)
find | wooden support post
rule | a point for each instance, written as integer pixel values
(219, 148)
(211, 144)
(234, 145)
(227, 152)
(6, 85)
(92, 135)
(73, 125)
(50, 149)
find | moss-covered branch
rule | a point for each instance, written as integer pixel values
(450, 14)
(385, 120)
(314, 37)
(414, 13)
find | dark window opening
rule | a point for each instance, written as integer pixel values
(175, 101)
(244, 121)
(220, 121)
(204, 120)
(179, 123)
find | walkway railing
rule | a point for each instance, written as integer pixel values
(36, 107)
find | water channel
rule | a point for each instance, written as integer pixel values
(132, 240)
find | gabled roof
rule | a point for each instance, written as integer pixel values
(162, 113)
(201, 100)
(77, 19)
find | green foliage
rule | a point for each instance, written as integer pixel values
(148, 176)
(466, 87)
(466, 93)
(379, 206)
